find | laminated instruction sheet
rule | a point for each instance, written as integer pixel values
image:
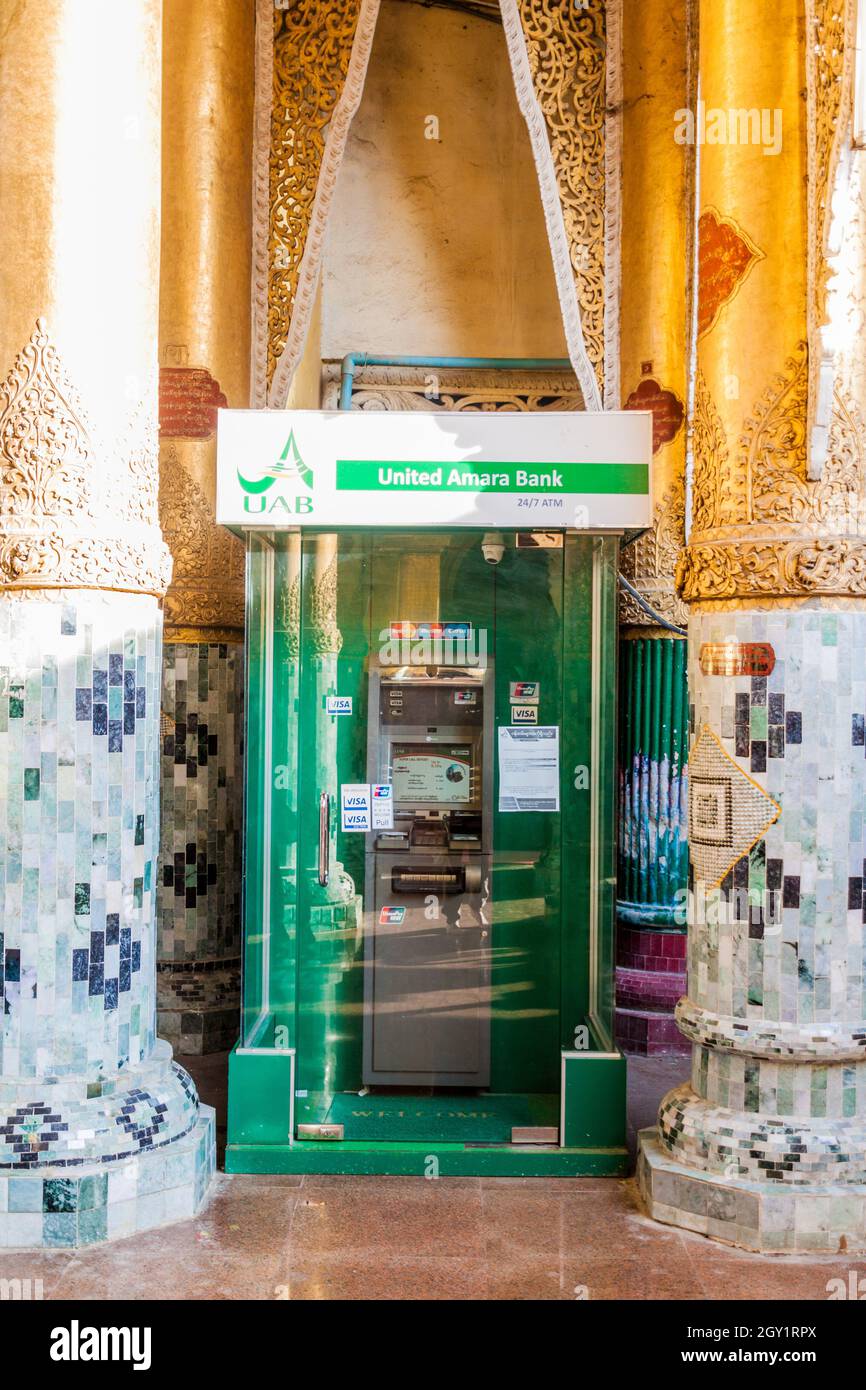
(529, 768)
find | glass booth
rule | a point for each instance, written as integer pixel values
(429, 853)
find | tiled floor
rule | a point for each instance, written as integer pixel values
(407, 1238)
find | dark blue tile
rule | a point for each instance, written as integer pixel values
(80, 965)
(776, 741)
(100, 719)
(793, 726)
(115, 669)
(83, 704)
(112, 929)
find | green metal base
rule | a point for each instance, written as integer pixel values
(427, 1160)
(591, 1121)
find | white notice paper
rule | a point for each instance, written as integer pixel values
(529, 769)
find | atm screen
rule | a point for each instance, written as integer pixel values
(440, 774)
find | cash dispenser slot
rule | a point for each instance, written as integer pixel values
(424, 878)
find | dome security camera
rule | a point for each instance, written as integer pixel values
(493, 547)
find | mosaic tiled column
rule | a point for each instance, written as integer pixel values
(205, 363)
(657, 177)
(101, 1134)
(766, 1146)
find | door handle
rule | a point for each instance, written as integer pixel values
(324, 839)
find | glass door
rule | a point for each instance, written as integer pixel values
(429, 867)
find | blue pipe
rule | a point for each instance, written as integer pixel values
(353, 360)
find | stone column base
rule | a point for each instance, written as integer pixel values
(52, 1208)
(198, 1005)
(767, 1218)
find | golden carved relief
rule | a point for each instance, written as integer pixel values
(457, 389)
(774, 445)
(62, 495)
(312, 48)
(567, 56)
(206, 599)
(785, 569)
(760, 525)
(650, 562)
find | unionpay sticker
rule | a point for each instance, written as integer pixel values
(391, 916)
(524, 692)
(382, 806)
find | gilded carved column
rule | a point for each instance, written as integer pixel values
(766, 1147)
(311, 63)
(101, 1134)
(657, 193)
(204, 364)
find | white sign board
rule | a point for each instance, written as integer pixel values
(529, 769)
(279, 469)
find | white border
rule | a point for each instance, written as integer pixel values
(326, 184)
(264, 84)
(556, 234)
(612, 202)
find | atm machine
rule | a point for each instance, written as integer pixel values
(428, 934)
(430, 762)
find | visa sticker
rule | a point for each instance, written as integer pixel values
(338, 704)
(355, 806)
(524, 714)
(391, 916)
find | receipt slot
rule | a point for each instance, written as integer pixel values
(428, 933)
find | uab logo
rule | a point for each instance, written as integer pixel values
(288, 471)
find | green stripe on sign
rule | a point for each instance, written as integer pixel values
(373, 475)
